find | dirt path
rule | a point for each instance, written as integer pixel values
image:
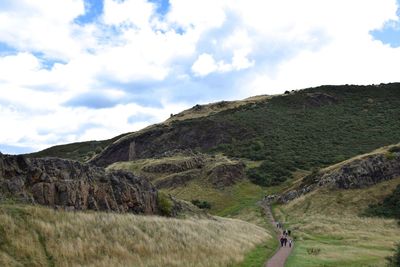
(280, 256)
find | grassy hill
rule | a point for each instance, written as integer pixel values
(80, 151)
(308, 128)
(36, 236)
(331, 230)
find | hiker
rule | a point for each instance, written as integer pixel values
(282, 241)
(285, 241)
(277, 224)
(290, 243)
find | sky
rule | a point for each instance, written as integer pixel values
(77, 70)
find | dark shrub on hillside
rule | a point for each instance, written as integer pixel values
(389, 207)
(165, 204)
(269, 174)
(202, 204)
(394, 261)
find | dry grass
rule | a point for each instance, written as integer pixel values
(36, 236)
(213, 108)
(330, 221)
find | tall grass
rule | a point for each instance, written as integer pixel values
(329, 224)
(36, 236)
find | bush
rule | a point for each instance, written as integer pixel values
(202, 204)
(269, 174)
(390, 156)
(165, 204)
(395, 149)
(389, 207)
(394, 261)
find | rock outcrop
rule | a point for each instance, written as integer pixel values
(226, 174)
(361, 172)
(71, 185)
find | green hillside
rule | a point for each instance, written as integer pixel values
(330, 230)
(80, 151)
(303, 129)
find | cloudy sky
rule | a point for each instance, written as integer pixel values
(74, 70)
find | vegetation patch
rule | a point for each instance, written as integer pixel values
(329, 232)
(389, 207)
(44, 237)
(202, 204)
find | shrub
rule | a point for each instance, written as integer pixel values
(389, 207)
(394, 261)
(390, 156)
(202, 204)
(395, 149)
(165, 204)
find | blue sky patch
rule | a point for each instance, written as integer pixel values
(93, 100)
(45, 62)
(390, 32)
(6, 50)
(162, 6)
(9, 149)
(93, 9)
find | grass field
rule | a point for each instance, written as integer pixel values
(329, 230)
(37, 236)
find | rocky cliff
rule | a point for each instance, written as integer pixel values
(74, 186)
(359, 172)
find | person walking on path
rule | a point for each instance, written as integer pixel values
(290, 243)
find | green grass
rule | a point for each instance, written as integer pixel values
(81, 151)
(331, 222)
(287, 132)
(258, 256)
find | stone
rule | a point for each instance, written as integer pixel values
(358, 173)
(71, 185)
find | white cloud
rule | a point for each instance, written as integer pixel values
(136, 12)
(254, 46)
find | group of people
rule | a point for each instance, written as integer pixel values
(285, 236)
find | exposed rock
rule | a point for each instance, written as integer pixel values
(357, 173)
(181, 208)
(74, 186)
(197, 134)
(226, 174)
(176, 166)
(177, 180)
(320, 99)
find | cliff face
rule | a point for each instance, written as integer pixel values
(361, 172)
(74, 186)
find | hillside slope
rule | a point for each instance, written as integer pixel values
(37, 236)
(329, 228)
(358, 172)
(307, 128)
(327, 212)
(81, 151)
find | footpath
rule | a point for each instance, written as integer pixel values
(280, 256)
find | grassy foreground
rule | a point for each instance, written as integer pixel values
(330, 232)
(37, 236)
